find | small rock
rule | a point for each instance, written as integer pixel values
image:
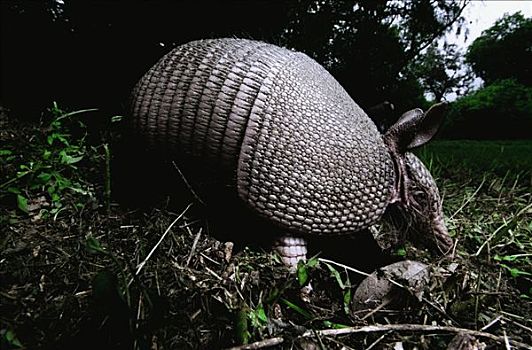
(378, 288)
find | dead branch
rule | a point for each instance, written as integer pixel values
(385, 328)
(141, 265)
(189, 186)
(261, 344)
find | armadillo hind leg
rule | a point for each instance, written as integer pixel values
(291, 249)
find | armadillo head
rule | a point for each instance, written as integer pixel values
(416, 194)
(424, 209)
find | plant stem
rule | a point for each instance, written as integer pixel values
(107, 179)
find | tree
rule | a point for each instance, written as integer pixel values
(79, 51)
(369, 45)
(502, 110)
(504, 50)
(443, 71)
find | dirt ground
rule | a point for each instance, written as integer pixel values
(91, 271)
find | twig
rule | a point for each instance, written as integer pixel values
(469, 199)
(141, 265)
(528, 329)
(107, 179)
(189, 223)
(385, 302)
(343, 346)
(440, 309)
(136, 325)
(525, 209)
(509, 314)
(194, 245)
(5, 295)
(210, 259)
(487, 293)
(66, 115)
(344, 266)
(214, 274)
(506, 341)
(477, 297)
(384, 328)
(194, 194)
(261, 344)
(495, 320)
(372, 345)
(157, 282)
(320, 342)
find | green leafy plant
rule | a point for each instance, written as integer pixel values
(345, 286)
(9, 339)
(258, 317)
(94, 246)
(306, 314)
(250, 322)
(241, 327)
(514, 271)
(303, 269)
(51, 171)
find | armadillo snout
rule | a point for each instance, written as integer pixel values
(444, 242)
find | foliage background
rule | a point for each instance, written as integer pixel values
(378, 50)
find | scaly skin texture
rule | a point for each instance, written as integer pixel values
(291, 250)
(421, 219)
(425, 208)
(278, 130)
(276, 126)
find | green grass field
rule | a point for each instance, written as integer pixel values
(487, 191)
(498, 157)
(487, 186)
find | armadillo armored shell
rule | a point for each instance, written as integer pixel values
(272, 124)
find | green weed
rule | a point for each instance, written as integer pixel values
(345, 286)
(45, 172)
(9, 340)
(304, 268)
(455, 157)
(486, 187)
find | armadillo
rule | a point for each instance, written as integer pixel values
(275, 127)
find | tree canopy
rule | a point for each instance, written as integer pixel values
(502, 109)
(369, 46)
(91, 53)
(442, 71)
(504, 51)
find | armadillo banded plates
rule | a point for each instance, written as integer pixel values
(277, 127)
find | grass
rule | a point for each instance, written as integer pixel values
(490, 183)
(112, 275)
(476, 157)
(487, 188)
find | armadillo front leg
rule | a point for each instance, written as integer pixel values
(291, 249)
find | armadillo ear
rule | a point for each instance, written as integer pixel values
(416, 128)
